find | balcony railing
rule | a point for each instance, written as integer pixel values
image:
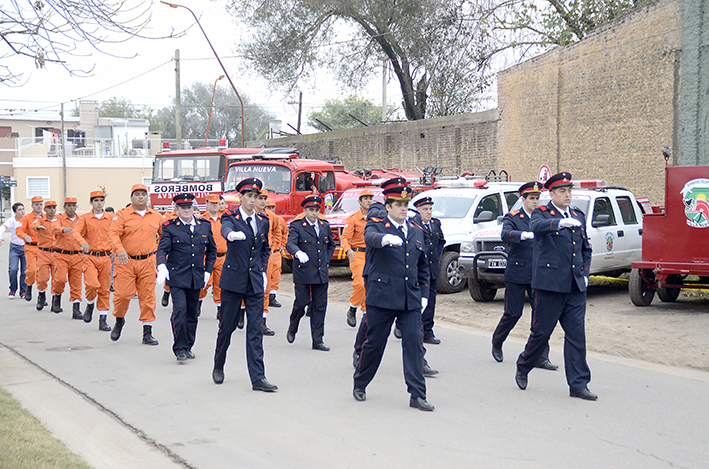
(79, 148)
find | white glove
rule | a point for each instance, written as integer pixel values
(586, 280)
(526, 235)
(265, 280)
(569, 222)
(236, 236)
(163, 274)
(390, 239)
(424, 303)
(302, 257)
(206, 278)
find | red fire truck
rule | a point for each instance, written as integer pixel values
(675, 252)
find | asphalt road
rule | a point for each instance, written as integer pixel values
(125, 404)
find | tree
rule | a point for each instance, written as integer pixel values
(338, 114)
(50, 31)
(226, 115)
(431, 45)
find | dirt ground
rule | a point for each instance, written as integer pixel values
(674, 334)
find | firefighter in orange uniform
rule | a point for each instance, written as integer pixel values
(134, 237)
(67, 260)
(353, 244)
(30, 236)
(166, 293)
(275, 243)
(45, 255)
(214, 215)
(92, 234)
(278, 235)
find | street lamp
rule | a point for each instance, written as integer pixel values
(211, 106)
(175, 5)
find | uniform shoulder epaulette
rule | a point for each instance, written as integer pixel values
(260, 217)
(166, 222)
(543, 208)
(514, 212)
(227, 212)
(578, 210)
(415, 224)
(375, 219)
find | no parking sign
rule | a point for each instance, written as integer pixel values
(544, 173)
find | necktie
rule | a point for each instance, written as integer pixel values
(248, 222)
(401, 229)
(566, 214)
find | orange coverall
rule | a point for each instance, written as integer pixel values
(67, 259)
(97, 263)
(45, 253)
(31, 247)
(219, 263)
(353, 238)
(138, 237)
(277, 238)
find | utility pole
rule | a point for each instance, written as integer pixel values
(178, 101)
(63, 142)
(384, 90)
(300, 110)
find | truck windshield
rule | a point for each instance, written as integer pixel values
(186, 168)
(451, 206)
(579, 201)
(274, 177)
(349, 203)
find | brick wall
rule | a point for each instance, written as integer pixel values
(460, 143)
(602, 108)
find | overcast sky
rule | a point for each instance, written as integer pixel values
(148, 76)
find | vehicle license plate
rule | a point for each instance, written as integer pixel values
(496, 263)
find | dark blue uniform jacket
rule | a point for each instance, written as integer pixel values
(245, 260)
(398, 276)
(302, 237)
(561, 256)
(519, 254)
(187, 255)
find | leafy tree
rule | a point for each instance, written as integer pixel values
(49, 31)
(431, 45)
(337, 114)
(226, 115)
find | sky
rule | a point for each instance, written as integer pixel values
(142, 70)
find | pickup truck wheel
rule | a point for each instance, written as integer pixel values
(640, 294)
(449, 279)
(669, 294)
(480, 291)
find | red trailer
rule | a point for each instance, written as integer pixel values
(675, 251)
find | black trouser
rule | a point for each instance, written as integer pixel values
(378, 326)
(514, 304)
(231, 303)
(314, 295)
(184, 318)
(427, 316)
(569, 309)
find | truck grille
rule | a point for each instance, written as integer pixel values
(491, 246)
(336, 232)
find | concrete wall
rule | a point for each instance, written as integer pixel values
(602, 108)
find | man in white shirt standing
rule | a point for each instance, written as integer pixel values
(17, 250)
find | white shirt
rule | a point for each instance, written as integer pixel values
(564, 213)
(397, 225)
(254, 226)
(192, 223)
(12, 224)
(315, 227)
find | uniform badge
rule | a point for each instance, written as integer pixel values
(388, 225)
(552, 212)
(238, 216)
(521, 215)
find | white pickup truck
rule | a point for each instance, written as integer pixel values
(615, 226)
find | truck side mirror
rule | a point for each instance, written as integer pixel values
(322, 183)
(485, 215)
(601, 220)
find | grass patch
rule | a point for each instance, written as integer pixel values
(25, 443)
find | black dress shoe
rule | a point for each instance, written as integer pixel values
(420, 404)
(165, 299)
(240, 322)
(352, 316)
(355, 360)
(397, 332)
(359, 394)
(546, 365)
(181, 356)
(322, 347)
(584, 394)
(190, 355)
(218, 376)
(521, 379)
(428, 371)
(290, 337)
(432, 340)
(264, 385)
(497, 354)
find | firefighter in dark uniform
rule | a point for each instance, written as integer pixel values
(244, 279)
(432, 226)
(397, 283)
(560, 269)
(311, 244)
(518, 273)
(185, 258)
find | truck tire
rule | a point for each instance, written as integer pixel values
(669, 295)
(640, 294)
(449, 279)
(480, 291)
